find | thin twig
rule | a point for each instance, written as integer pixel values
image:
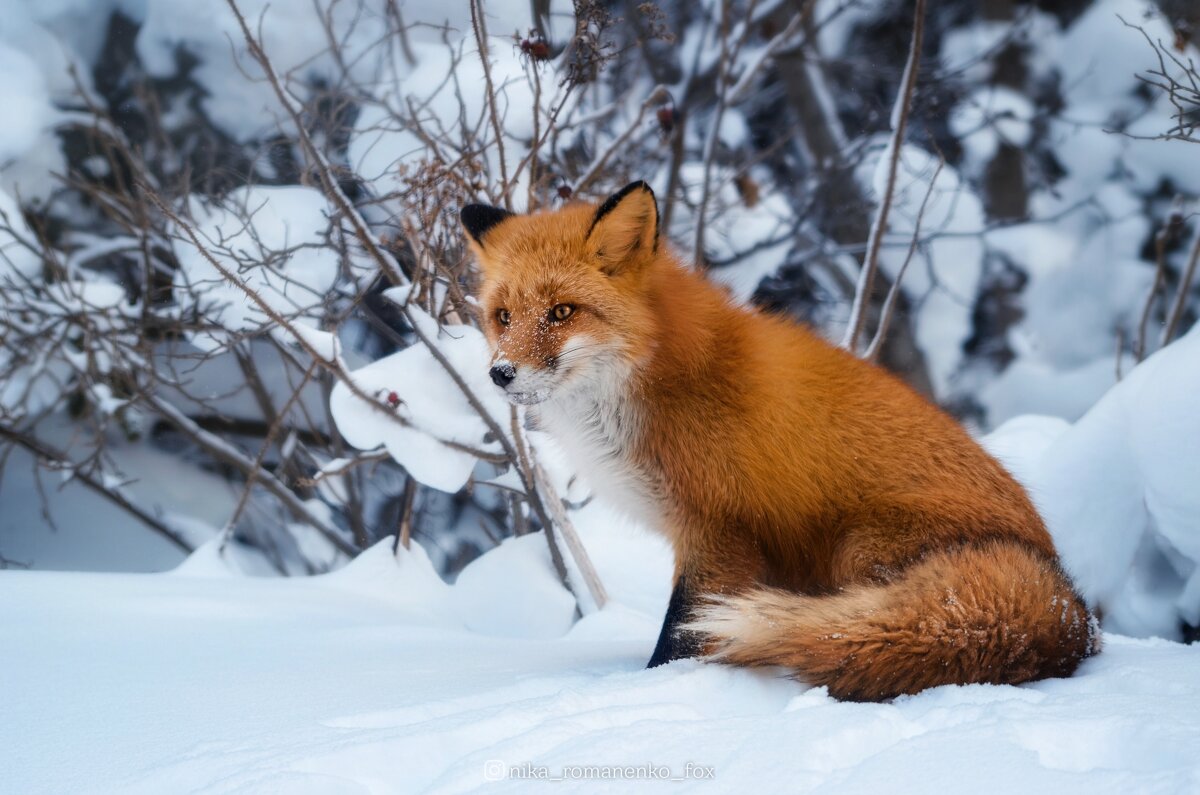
(1181, 293)
(404, 534)
(656, 97)
(885, 316)
(47, 455)
(590, 576)
(479, 27)
(547, 526)
(1162, 239)
(900, 113)
(259, 460)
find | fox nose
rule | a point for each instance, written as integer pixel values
(503, 374)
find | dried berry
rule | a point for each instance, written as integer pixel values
(666, 118)
(536, 48)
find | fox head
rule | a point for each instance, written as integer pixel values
(563, 296)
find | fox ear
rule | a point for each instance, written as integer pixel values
(625, 228)
(478, 219)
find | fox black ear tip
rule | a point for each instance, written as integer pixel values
(640, 184)
(471, 214)
(477, 219)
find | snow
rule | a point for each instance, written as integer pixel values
(293, 36)
(59, 34)
(24, 99)
(1030, 386)
(513, 592)
(34, 72)
(416, 406)
(404, 579)
(365, 681)
(1118, 490)
(1084, 276)
(989, 117)
(254, 225)
(17, 263)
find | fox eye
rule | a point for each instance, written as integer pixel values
(561, 312)
(503, 317)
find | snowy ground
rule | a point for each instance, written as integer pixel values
(361, 682)
(381, 677)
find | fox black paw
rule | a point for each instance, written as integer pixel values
(673, 644)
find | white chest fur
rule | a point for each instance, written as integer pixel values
(597, 428)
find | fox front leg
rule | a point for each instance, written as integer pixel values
(725, 570)
(672, 643)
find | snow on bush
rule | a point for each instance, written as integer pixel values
(53, 330)
(417, 406)
(1087, 269)
(276, 242)
(239, 100)
(19, 262)
(741, 226)
(1119, 491)
(28, 113)
(447, 83)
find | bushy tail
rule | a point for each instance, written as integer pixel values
(997, 612)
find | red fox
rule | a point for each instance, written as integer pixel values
(824, 517)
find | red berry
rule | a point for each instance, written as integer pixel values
(666, 118)
(536, 48)
(564, 191)
(393, 399)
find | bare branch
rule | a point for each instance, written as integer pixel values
(1181, 292)
(56, 458)
(885, 317)
(225, 452)
(900, 114)
(479, 27)
(1163, 238)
